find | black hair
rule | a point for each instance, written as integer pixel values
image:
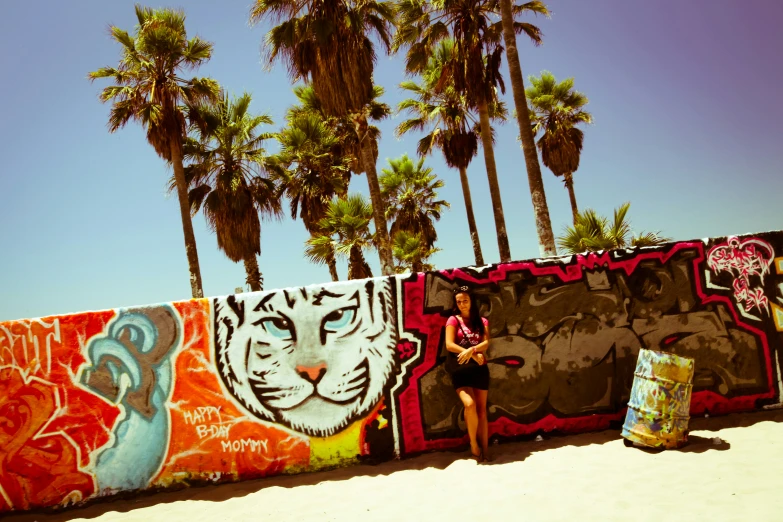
(474, 321)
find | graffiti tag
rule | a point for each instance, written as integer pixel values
(744, 260)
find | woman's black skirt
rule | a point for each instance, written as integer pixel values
(469, 375)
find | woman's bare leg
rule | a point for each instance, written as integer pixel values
(482, 431)
(471, 419)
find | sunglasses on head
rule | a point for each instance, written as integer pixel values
(461, 289)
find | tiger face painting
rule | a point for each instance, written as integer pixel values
(313, 359)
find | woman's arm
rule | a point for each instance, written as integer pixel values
(481, 356)
(482, 346)
(450, 344)
(475, 352)
(463, 354)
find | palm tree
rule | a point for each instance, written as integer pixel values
(344, 231)
(452, 126)
(592, 232)
(411, 253)
(313, 170)
(409, 192)
(509, 12)
(150, 89)
(344, 128)
(327, 44)
(228, 180)
(473, 68)
(557, 110)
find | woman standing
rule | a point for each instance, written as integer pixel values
(467, 340)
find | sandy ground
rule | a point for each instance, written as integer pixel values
(731, 470)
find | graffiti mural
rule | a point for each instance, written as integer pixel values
(565, 338)
(286, 381)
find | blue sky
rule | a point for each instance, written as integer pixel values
(685, 97)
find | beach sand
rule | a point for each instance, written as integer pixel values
(729, 471)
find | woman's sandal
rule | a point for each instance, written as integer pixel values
(478, 458)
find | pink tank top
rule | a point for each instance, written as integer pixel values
(463, 332)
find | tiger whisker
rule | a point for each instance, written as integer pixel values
(375, 351)
(362, 376)
(353, 388)
(277, 394)
(263, 389)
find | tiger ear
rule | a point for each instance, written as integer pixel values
(234, 310)
(229, 315)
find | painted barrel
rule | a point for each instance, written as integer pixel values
(659, 408)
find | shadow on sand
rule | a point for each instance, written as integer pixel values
(695, 444)
(502, 454)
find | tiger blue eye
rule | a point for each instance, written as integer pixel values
(277, 327)
(339, 318)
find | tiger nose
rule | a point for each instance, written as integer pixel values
(312, 373)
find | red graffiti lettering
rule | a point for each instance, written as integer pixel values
(36, 468)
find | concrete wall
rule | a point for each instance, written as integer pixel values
(293, 380)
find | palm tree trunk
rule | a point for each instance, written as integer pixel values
(474, 237)
(332, 263)
(546, 239)
(568, 180)
(196, 289)
(494, 188)
(253, 273)
(381, 232)
(357, 265)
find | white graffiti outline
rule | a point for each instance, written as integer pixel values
(777, 405)
(6, 497)
(710, 284)
(403, 336)
(34, 340)
(744, 259)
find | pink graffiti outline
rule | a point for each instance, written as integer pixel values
(414, 320)
(750, 257)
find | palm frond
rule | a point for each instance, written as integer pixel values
(320, 248)
(592, 232)
(648, 239)
(196, 51)
(196, 197)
